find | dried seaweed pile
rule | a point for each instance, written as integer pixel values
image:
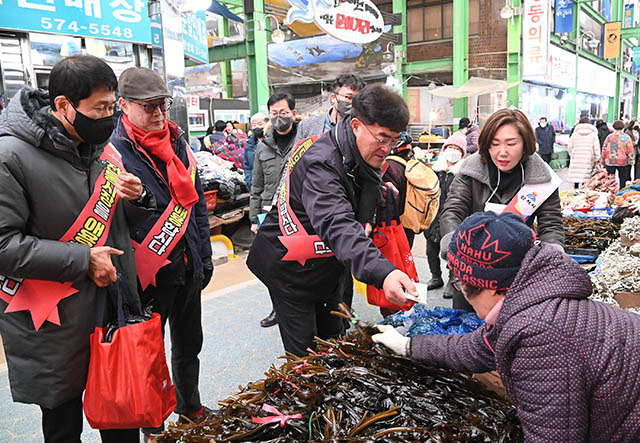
(589, 233)
(353, 391)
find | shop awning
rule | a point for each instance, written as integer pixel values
(474, 86)
(218, 8)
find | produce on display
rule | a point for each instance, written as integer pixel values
(618, 270)
(601, 181)
(629, 197)
(589, 233)
(422, 320)
(354, 391)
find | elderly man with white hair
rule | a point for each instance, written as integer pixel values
(258, 122)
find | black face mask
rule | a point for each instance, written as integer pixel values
(281, 124)
(344, 108)
(259, 132)
(93, 131)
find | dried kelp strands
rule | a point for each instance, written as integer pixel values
(589, 233)
(351, 390)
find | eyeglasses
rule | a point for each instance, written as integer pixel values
(346, 97)
(284, 114)
(151, 108)
(389, 142)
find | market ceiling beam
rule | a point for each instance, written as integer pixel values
(460, 55)
(225, 53)
(232, 3)
(424, 67)
(630, 32)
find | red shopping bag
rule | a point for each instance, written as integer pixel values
(128, 385)
(390, 238)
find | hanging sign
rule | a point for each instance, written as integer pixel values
(121, 20)
(535, 37)
(628, 16)
(636, 59)
(194, 36)
(353, 21)
(612, 39)
(564, 16)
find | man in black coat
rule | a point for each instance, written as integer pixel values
(545, 137)
(327, 199)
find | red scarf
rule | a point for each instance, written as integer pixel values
(159, 144)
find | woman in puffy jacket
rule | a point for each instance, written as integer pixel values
(570, 365)
(490, 179)
(618, 153)
(584, 152)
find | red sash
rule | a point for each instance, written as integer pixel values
(300, 245)
(153, 253)
(91, 228)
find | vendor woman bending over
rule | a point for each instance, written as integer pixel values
(570, 365)
(506, 162)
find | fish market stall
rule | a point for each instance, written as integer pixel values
(352, 390)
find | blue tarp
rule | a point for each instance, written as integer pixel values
(218, 8)
(431, 321)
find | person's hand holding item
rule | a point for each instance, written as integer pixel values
(394, 286)
(392, 339)
(101, 269)
(254, 228)
(129, 187)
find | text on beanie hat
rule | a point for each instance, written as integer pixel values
(487, 249)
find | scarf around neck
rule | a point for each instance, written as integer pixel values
(368, 181)
(158, 143)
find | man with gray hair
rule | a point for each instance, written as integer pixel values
(258, 122)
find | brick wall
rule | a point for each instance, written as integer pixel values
(483, 60)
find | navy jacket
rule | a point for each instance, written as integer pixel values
(249, 154)
(195, 242)
(545, 137)
(323, 199)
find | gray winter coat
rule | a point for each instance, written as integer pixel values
(268, 166)
(311, 126)
(570, 365)
(45, 184)
(471, 189)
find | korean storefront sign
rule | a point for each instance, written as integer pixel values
(564, 16)
(612, 39)
(194, 36)
(535, 37)
(562, 67)
(353, 21)
(595, 79)
(122, 20)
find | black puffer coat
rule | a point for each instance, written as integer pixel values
(45, 184)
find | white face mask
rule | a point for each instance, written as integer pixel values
(452, 155)
(543, 124)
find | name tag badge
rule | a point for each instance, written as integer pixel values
(494, 207)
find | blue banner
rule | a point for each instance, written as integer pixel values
(628, 16)
(564, 16)
(606, 9)
(194, 36)
(636, 59)
(121, 20)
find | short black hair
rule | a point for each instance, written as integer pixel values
(275, 98)
(379, 104)
(543, 118)
(76, 78)
(464, 123)
(351, 81)
(220, 125)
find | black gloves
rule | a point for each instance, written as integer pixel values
(207, 269)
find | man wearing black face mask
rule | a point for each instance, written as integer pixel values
(344, 88)
(258, 122)
(271, 154)
(55, 165)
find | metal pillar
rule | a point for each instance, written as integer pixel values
(617, 12)
(572, 102)
(514, 71)
(226, 80)
(460, 55)
(400, 7)
(257, 64)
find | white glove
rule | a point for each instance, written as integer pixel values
(392, 339)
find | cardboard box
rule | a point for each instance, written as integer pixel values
(627, 300)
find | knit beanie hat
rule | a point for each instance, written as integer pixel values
(456, 139)
(487, 249)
